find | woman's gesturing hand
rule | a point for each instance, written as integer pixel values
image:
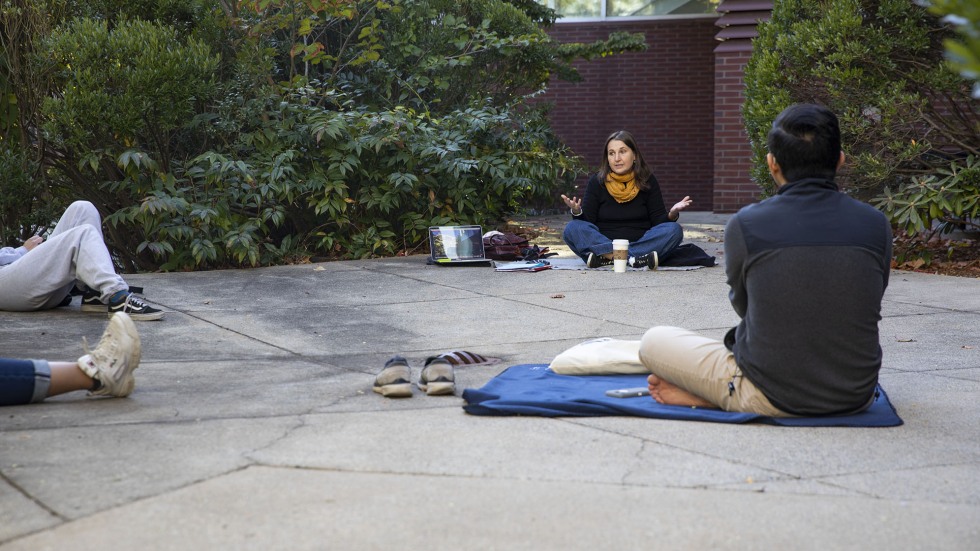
(675, 211)
(573, 204)
(682, 204)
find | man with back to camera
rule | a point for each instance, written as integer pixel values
(807, 269)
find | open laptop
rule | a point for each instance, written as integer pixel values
(457, 245)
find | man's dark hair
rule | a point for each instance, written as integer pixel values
(805, 140)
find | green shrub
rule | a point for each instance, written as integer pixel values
(346, 183)
(879, 65)
(936, 203)
(136, 85)
(963, 52)
(430, 55)
(27, 203)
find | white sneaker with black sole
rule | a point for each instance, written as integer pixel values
(650, 260)
(597, 261)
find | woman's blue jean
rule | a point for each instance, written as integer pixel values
(23, 381)
(584, 238)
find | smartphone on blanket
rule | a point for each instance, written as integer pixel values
(628, 392)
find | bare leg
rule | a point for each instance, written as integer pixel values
(67, 377)
(672, 395)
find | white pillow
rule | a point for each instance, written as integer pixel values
(602, 356)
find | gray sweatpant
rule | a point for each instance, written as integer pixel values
(74, 252)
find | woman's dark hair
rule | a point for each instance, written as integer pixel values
(805, 140)
(640, 170)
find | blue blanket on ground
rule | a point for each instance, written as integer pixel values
(533, 389)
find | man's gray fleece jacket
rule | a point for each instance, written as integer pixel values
(807, 270)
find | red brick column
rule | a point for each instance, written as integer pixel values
(733, 156)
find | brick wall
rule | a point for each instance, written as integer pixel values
(663, 96)
(732, 153)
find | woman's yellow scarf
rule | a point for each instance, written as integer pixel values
(622, 187)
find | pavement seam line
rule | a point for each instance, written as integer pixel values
(230, 330)
(33, 499)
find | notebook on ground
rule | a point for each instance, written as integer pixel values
(533, 389)
(457, 245)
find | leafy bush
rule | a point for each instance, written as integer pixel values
(27, 204)
(351, 183)
(929, 208)
(962, 52)
(134, 84)
(937, 203)
(28, 200)
(879, 65)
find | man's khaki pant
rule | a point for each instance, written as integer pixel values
(703, 367)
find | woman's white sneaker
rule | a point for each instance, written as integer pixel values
(113, 360)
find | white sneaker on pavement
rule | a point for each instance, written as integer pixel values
(113, 360)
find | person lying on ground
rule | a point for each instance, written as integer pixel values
(807, 269)
(42, 274)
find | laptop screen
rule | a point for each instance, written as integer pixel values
(456, 243)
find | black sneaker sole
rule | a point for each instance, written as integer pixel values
(596, 261)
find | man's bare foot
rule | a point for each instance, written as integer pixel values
(673, 395)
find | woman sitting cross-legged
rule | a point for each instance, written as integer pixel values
(623, 201)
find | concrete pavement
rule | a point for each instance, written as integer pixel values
(253, 424)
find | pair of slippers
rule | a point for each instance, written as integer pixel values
(395, 380)
(438, 376)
